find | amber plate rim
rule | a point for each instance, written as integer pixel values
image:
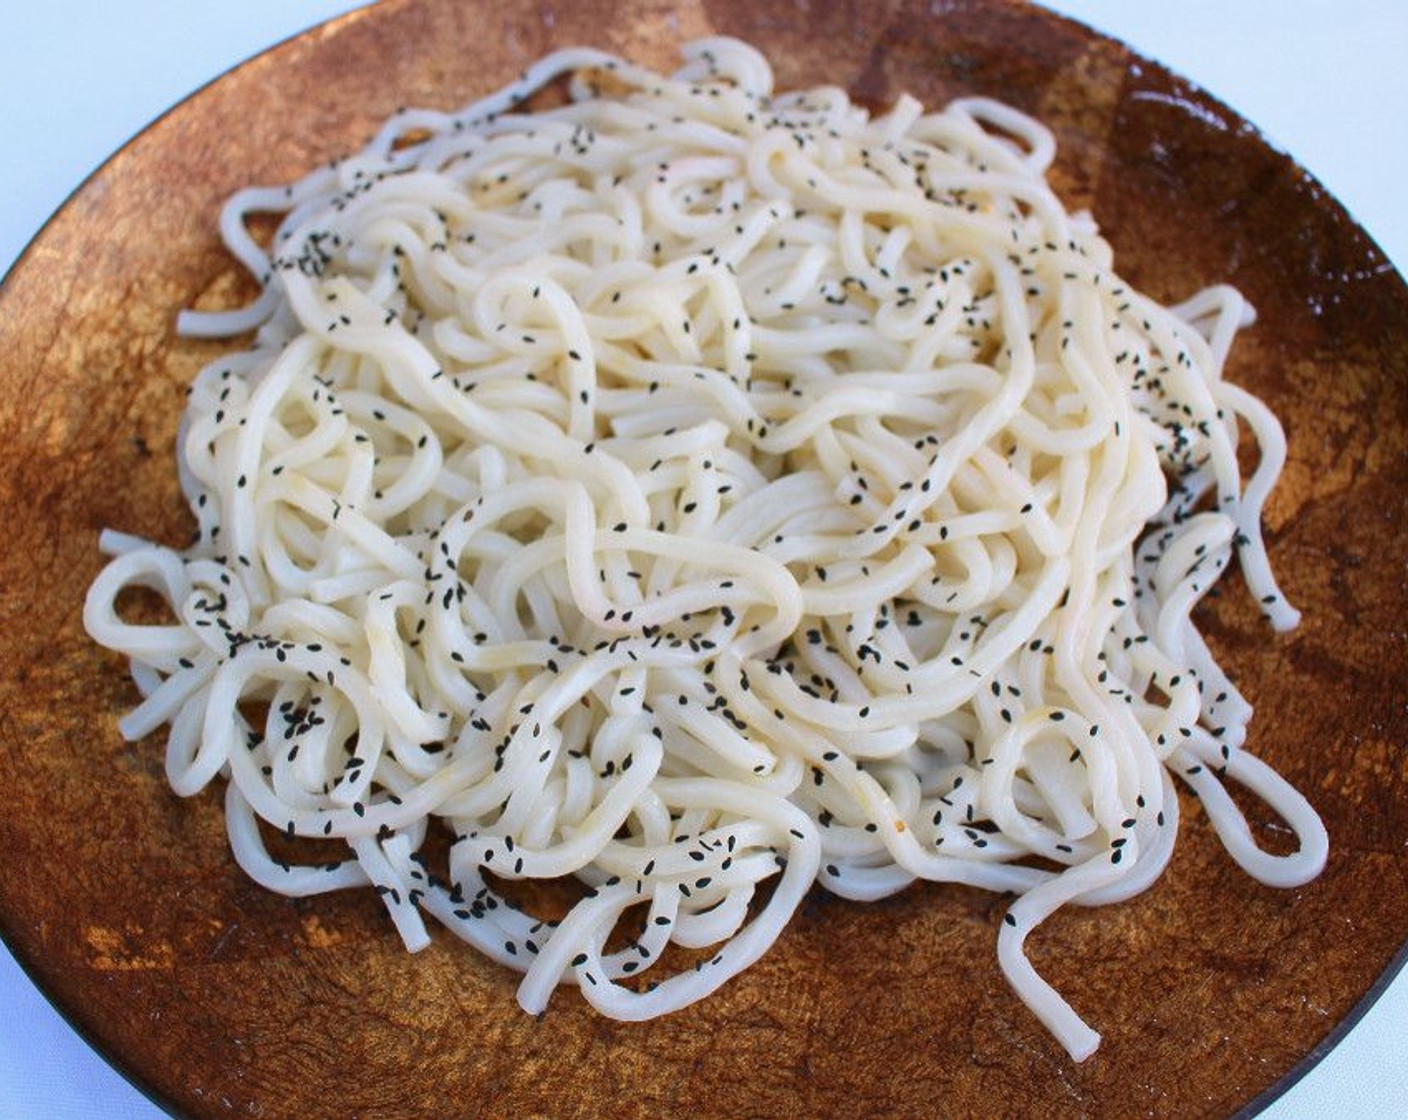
(1255, 135)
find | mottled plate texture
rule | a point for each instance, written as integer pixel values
(223, 1000)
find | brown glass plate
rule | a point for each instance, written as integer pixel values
(221, 999)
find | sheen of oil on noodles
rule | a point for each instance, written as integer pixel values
(704, 492)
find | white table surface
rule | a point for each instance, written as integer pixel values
(1324, 80)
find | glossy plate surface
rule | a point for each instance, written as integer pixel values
(222, 999)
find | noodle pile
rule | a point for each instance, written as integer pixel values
(704, 492)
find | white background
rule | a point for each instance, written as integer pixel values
(1326, 81)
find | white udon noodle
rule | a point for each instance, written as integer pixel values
(690, 483)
